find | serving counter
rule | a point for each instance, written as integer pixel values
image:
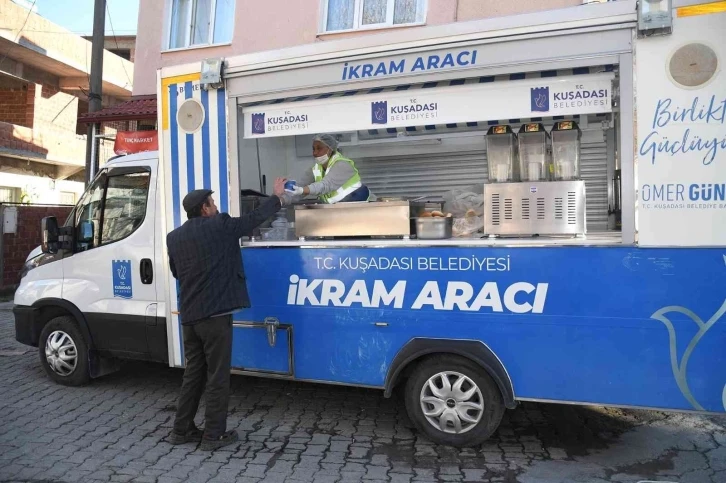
(592, 239)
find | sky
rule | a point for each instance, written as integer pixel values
(77, 15)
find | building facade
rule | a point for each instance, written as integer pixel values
(122, 45)
(173, 32)
(44, 77)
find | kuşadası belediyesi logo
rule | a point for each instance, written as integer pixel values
(288, 121)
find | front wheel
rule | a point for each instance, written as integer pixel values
(63, 352)
(453, 401)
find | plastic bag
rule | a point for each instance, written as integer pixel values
(467, 226)
(460, 201)
(466, 205)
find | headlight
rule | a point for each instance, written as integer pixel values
(35, 262)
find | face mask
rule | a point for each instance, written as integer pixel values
(322, 159)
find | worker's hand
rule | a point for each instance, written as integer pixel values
(296, 191)
(279, 187)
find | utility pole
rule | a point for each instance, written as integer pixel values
(95, 89)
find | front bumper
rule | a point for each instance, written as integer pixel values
(26, 326)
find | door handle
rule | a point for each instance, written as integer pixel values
(146, 271)
(272, 324)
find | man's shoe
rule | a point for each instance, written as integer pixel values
(230, 437)
(193, 435)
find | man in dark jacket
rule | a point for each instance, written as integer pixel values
(205, 257)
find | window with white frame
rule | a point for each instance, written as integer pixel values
(342, 15)
(200, 22)
(9, 195)
(67, 198)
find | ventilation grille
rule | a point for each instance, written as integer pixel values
(495, 209)
(540, 208)
(571, 208)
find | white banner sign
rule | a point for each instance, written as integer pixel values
(681, 141)
(541, 97)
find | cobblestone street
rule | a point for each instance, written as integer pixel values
(114, 429)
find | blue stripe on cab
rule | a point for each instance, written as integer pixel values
(222, 133)
(206, 166)
(549, 73)
(174, 134)
(518, 76)
(581, 71)
(190, 145)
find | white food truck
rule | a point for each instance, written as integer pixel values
(580, 152)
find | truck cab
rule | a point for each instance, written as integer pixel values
(95, 290)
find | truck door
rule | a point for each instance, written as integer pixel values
(110, 276)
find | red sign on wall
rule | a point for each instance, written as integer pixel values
(130, 142)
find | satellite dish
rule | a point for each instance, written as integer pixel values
(190, 116)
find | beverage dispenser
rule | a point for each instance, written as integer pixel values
(533, 152)
(501, 154)
(566, 150)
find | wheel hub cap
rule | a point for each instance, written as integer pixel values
(452, 402)
(61, 353)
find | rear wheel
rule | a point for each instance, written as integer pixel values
(63, 352)
(453, 401)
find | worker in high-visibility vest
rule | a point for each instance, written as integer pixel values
(334, 178)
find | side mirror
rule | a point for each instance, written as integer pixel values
(49, 229)
(85, 232)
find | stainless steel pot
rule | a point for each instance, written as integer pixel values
(434, 228)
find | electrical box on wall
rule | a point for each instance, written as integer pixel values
(654, 18)
(10, 219)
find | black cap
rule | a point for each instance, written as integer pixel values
(195, 198)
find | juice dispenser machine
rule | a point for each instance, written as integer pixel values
(566, 150)
(539, 204)
(533, 152)
(502, 154)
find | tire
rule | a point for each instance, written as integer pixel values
(478, 399)
(63, 352)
